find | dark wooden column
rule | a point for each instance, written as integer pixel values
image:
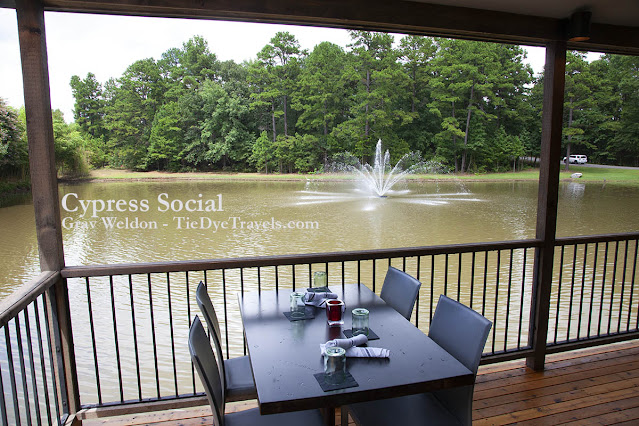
(44, 189)
(554, 78)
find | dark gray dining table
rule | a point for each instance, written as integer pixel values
(285, 354)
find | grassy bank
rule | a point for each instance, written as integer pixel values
(589, 174)
(14, 187)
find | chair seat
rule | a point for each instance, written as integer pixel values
(252, 417)
(403, 411)
(239, 379)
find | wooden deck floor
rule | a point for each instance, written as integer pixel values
(587, 387)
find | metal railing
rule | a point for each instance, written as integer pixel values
(130, 322)
(29, 385)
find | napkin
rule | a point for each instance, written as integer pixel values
(352, 351)
(318, 299)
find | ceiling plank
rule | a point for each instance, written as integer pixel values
(376, 15)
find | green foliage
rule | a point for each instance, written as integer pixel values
(14, 160)
(461, 105)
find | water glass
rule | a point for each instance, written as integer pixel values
(334, 365)
(360, 321)
(320, 279)
(298, 308)
(334, 311)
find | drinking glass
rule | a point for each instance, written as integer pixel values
(334, 365)
(334, 311)
(360, 321)
(320, 279)
(298, 308)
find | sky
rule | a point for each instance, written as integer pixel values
(106, 45)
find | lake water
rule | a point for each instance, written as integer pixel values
(324, 216)
(151, 221)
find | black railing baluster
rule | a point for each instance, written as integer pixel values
(510, 278)
(521, 299)
(96, 365)
(432, 288)
(374, 267)
(277, 279)
(572, 289)
(226, 314)
(459, 274)
(188, 314)
(259, 279)
(293, 275)
(155, 346)
(561, 270)
(3, 405)
(419, 295)
(496, 297)
(483, 301)
(612, 285)
(472, 279)
(446, 274)
(632, 287)
(12, 375)
(359, 272)
(623, 286)
(43, 370)
(54, 379)
(310, 275)
(168, 293)
(603, 288)
(404, 263)
(135, 338)
(116, 340)
(34, 382)
(583, 289)
(23, 370)
(592, 290)
(343, 274)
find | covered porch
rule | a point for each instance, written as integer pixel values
(547, 295)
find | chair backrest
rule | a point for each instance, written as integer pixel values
(462, 332)
(207, 369)
(206, 307)
(459, 330)
(400, 290)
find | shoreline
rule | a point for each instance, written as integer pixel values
(113, 175)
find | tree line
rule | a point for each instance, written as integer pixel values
(469, 106)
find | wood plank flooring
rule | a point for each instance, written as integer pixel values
(595, 386)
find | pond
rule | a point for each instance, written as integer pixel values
(183, 220)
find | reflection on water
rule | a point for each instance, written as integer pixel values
(339, 217)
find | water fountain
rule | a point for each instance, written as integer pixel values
(375, 183)
(375, 177)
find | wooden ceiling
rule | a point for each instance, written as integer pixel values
(614, 29)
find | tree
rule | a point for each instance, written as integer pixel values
(577, 98)
(14, 158)
(321, 97)
(89, 106)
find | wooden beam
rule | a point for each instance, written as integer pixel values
(44, 190)
(552, 119)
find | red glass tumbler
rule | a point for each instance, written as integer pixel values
(334, 312)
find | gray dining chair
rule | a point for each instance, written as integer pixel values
(208, 370)
(400, 290)
(462, 332)
(236, 373)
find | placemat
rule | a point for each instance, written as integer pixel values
(348, 382)
(318, 290)
(308, 314)
(371, 334)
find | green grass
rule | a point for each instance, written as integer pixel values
(589, 174)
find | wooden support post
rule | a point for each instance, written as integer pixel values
(44, 190)
(554, 78)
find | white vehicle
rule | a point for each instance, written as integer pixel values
(578, 159)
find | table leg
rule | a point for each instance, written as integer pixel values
(329, 416)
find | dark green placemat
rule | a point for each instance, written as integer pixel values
(348, 382)
(308, 314)
(318, 290)
(371, 334)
